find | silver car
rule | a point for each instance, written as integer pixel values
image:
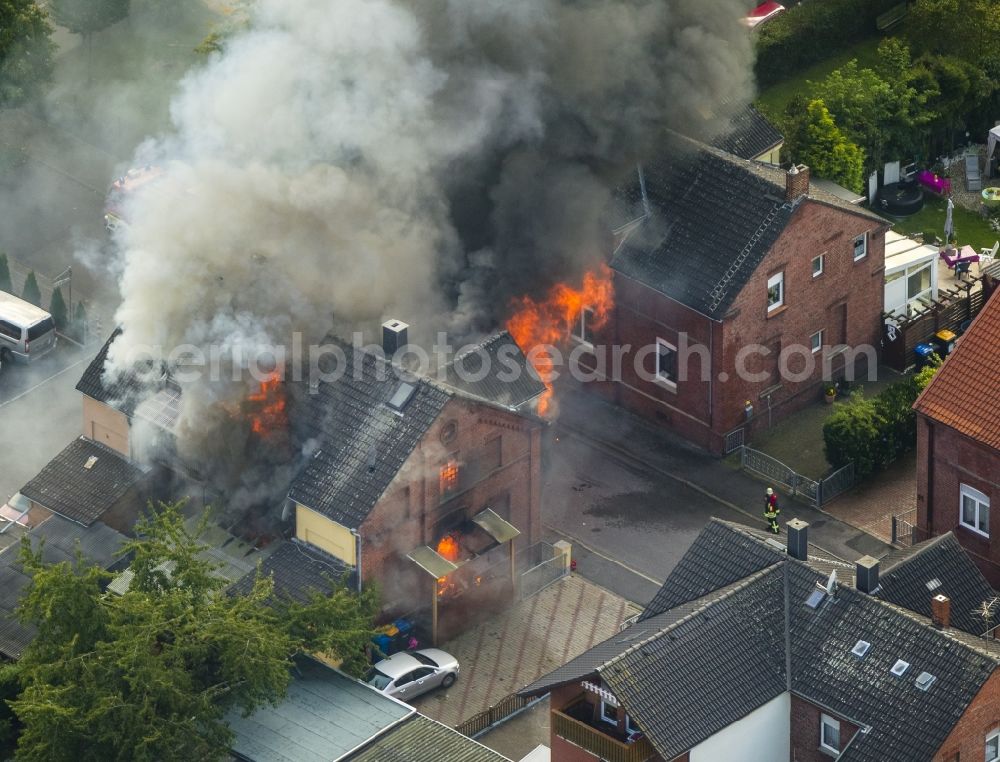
(409, 674)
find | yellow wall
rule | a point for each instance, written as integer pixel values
(327, 535)
(773, 156)
(105, 425)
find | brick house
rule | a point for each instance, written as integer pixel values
(721, 254)
(759, 652)
(427, 486)
(958, 444)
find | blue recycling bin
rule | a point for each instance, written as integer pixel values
(922, 354)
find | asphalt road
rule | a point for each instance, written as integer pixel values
(40, 413)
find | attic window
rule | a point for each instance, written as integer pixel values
(861, 648)
(403, 394)
(925, 680)
(815, 598)
(933, 584)
(90, 462)
(900, 667)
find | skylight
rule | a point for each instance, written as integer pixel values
(900, 667)
(933, 584)
(402, 395)
(815, 598)
(925, 680)
(861, 648)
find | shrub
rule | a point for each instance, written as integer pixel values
(78, 327)
(31, 291)
(791, 41)
(59, 310)
(5, 284)
(852, 433)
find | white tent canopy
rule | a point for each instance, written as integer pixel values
(991, 146)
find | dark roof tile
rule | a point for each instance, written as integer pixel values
(421, 739)
(748, 134)
(509, 380)
(297, 569)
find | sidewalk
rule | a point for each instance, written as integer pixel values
(659, 449)
(872, 504)
(524, 642)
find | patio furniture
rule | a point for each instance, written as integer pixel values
(972, 179)
(934, 183)
(962, 268)
(966, 254)
(986, 256)
(991, 197)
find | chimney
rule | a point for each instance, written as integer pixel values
(796, 182)
(941, 611)
(393, 336)
(866, 574)
(798, 539)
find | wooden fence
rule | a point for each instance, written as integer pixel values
(503, 710)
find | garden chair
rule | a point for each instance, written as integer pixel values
(972, 179)
(986, 256)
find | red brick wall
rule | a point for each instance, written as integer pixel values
(705, 409)
(805, 732)
(968, 738)
(810, 305)
(947, 459)
(409, 512)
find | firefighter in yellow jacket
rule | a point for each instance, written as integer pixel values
(771, 511)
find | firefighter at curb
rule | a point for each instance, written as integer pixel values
(771, 511)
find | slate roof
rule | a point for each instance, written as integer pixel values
(97, 542)
(958, 395)
(421, 739)
(509, 381)
(297, 569)
(941, 561)
(749, 134)
(362, 442)
(67, 487)
(118, 391)
(324, 716)
(708, 661)
(712, 219)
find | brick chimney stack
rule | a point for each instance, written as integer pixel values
(941, 611)
(796, 182)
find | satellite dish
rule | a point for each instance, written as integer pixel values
(831, 583)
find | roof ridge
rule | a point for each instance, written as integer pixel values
(922, 547)
(720, 594)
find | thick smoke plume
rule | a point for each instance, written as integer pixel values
(348, 160)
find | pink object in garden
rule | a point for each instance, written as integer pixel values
(933, 182)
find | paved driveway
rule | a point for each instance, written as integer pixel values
(521, 644)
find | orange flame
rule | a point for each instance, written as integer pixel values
(267, 406)
(549, 322)
(447, 548)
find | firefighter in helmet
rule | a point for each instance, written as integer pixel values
(771, 511)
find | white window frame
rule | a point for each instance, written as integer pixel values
(826, 721)
(670, 383)
(926, 293)
(816, 346)
(605, 718)
(578, 331)
(778, 279)
(864, 246)
(994, 736)
(631, 729)
(981, 500)
(822, 262)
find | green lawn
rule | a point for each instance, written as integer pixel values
(970, 228)
(773, 100)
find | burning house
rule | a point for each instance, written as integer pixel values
(427, 486)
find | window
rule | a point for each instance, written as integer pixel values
(630, 727)
(10, 330)
(816, 341)
(581, 330)
(609, 712)
(40, 329)
(449, 477)
(860, 246)
(817, 265)
(918, 284)
(775, 291)
(975, 510)
(993, 746)
(492, 454)
(829, 734)
(666, 362)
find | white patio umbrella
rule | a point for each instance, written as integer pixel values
(991, 146)
(949, 225)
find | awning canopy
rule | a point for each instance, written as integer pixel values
(495, 526)
(432, 562)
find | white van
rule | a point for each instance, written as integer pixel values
(26, 332)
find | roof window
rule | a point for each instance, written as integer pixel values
(861, 648)
(925, 680)
(402, 395)
(900, 667)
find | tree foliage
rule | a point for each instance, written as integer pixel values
(5, 284)
(31, 291)
(88, 16)
(150, 674)
(26, 50)
(827, 150)
(58, 309)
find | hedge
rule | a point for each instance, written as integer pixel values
(811, 32)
